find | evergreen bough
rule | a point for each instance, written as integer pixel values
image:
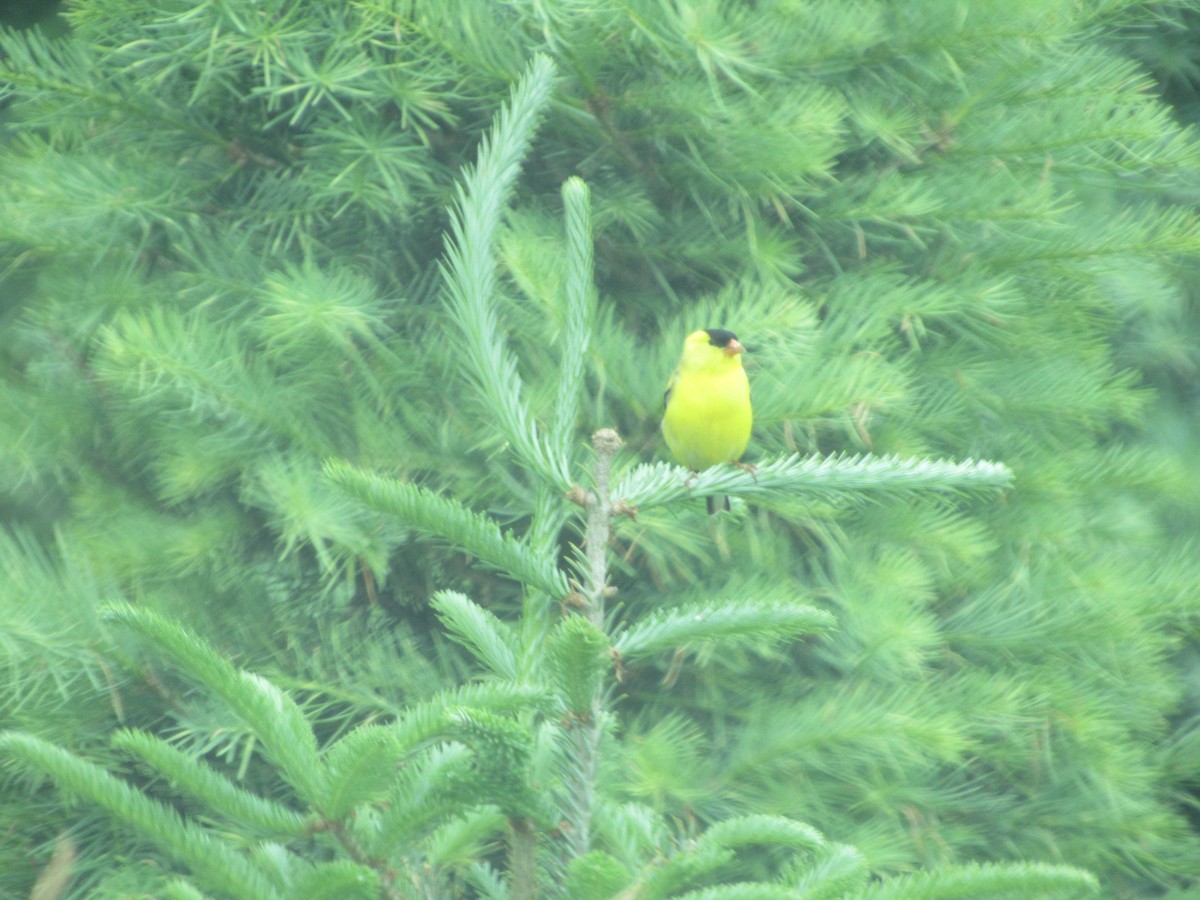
(917, 219)
(342, 788)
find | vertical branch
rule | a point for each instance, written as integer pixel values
(606, 443)
(579, 295)
(522, 860)
(470, 273)
(579, 300)
(586, 731)
(539, 608)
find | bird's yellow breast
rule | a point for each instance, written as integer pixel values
(708, 417)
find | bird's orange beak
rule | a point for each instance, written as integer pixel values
(734, 347)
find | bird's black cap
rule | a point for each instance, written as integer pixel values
(719, 337)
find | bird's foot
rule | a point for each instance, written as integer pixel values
(747, 467)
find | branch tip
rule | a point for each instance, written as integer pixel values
(606, 441)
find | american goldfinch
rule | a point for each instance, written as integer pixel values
(708, 416)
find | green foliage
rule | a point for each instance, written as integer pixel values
(380, 792)
(490, 641)
(986, 881)
(578, 659)
(214, 862)
(201, 781)
(274, 718)
(500, 775)
(728, 622)
(470, 276)
(361, 765)
(303, 354)
(447, 519)
(823, 479)
(595, 876)
(337, 879)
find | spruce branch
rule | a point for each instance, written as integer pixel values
(522, 857)
(833, 873)
(426, 720)
(203, 782)
(343, 879)
(717, 848)
(419, 801)
(65, 76)
(739, 890)
(821, 478)
(181, 890)
(271, 715)
(360, 766)
(546, 522)
(600, 509)
(550, 514)
(218, 864)
(970, 882)
(470, 276)
(580, 303)
(585, 729)
(440, 517)
(578, 657)
(730, 622)
(761, 829)
(490, 641)
(463, 839)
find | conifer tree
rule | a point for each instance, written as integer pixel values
(223, 250)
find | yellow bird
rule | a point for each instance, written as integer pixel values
(708, 415)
